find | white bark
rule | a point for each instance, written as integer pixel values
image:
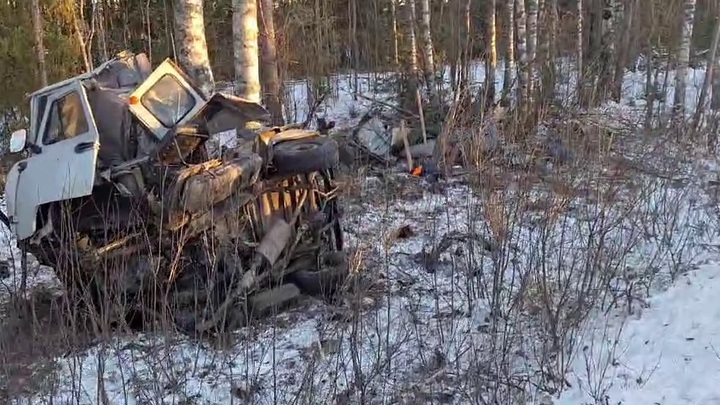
(396, 49)
(579, 46)
(521, 19)
(412, 40)
(492, 25)
(510, 62)
(192, 53)
(715, 99)
(245, 45)
(427, 43)
(684, 56)
(532, 33)
(532, 29)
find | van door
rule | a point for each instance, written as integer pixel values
(63, 167)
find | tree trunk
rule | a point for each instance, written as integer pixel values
(710, 75)
(78, 21)
(532, 41)
(508, 74)
(99, 18)
(715, 99)
(245, 45)
(549, 50)
(396, 49)
(491, 65)
(683, 58)
(269, 73)
(521, 19)
(410, 86)
(192, 53)
(611, 14)
(39, 44)
(579, 50)
(427, 42)
(412, 39)
(624, 51)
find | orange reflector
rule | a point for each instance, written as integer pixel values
(133, 100)
(416, 171)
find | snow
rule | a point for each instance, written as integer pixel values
(669, 355)
(434, 333)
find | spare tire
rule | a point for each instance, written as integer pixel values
(305, 155)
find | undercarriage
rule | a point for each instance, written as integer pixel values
(205, 268)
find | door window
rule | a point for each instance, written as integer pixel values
(66, 119)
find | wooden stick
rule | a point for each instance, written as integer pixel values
(422, 115)
(406, 143)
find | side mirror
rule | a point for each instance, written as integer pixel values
(18, 140)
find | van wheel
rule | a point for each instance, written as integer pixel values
(305, 156)
(325, 281)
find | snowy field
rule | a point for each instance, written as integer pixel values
(597, 287)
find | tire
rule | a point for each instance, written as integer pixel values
(323, 282)
(276, 298)
(305, 156)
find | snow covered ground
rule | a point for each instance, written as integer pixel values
(668, 354)
(501, 311)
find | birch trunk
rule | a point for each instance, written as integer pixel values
(549, 49)
(579, 50)
(245, 46)
(521, 19)
(412, 39)
(396, 48)
(191, 46)
(269, 73)
(39, 43)
(427, 43)
(508, 75)
(532, 42)
(715, 99)
(683, 57)
(492, 54)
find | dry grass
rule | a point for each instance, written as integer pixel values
(481, 289)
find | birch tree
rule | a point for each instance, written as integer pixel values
(427, 43)
(492, 54)
(579, 47)
(39, 43)
(396, 48)
(269, 73)
(521, 48)
(683, 58)
(412, 39)
(191, 46)
(245, 46)
(508, 75)
(532, 42)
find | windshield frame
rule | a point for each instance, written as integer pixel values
(149, 96)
